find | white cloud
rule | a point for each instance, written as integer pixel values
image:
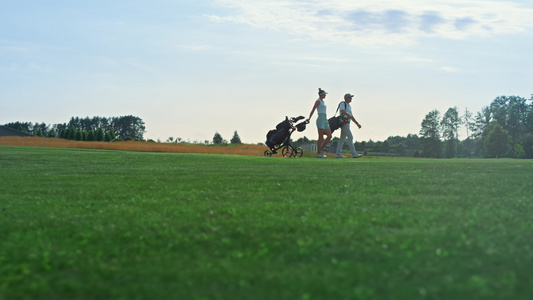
(326, 59)
(418, 59)
(449, 69)
(386, 22)
(198, 48)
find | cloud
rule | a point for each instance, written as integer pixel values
(386, 22)
(390, 20)
(197, 48)
(326, 59)
(396, 20)
(418, 59)
(449, 69)
(430, 20)
(463, 24)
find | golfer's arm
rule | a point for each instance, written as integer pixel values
(313, 110)
(346, 114)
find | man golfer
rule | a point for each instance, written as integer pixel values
(346, 133)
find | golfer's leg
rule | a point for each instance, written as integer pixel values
(341, 140)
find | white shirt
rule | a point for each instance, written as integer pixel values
(347, 108)
(321, 108)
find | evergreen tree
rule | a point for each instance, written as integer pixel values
(108, 137)
(235, 139)
(51, 133)
(112, 134)
(71, 135)
(91, 137)
(100, 134)
(217, 139)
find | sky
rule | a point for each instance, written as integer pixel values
(191, 68)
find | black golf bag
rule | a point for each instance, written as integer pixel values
(278, 136)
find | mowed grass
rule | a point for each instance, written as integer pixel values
(99, 224)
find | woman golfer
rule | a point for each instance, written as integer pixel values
(321, 123)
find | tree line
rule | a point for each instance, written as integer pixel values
(502, 129)
(87, 129)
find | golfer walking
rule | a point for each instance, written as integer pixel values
(346, 133)
(321, 123)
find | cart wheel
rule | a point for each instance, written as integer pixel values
(268, 153)
(299, 152)
(287, 151)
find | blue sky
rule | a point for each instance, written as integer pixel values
(192, 68)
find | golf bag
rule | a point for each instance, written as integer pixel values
(336, 122)
(276, 138)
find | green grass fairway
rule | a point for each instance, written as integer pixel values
(96, 224)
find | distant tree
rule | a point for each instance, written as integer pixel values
(469, 125)
(217, 139)
(91, 137)
(479, 129)
(518, 151)
(61, 130)
(400, 149)
(51, 133)
(385, 145)
(39, 129)
(497, 141)
(39, 132)
(79, 135)
(112, 134)
(74, 122)
(511, 113)
(99, 134)
(430, 135)
(528, 146)
(24, 127)
(395, 140)
(529, 117)
(235, 139)
(71, 135)
(108, 137)
(302, 140)
(517, 123)
(128, 127)
(483, 119)
(63, 133)
(467, 121)
(412, 141)
(450, 126)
